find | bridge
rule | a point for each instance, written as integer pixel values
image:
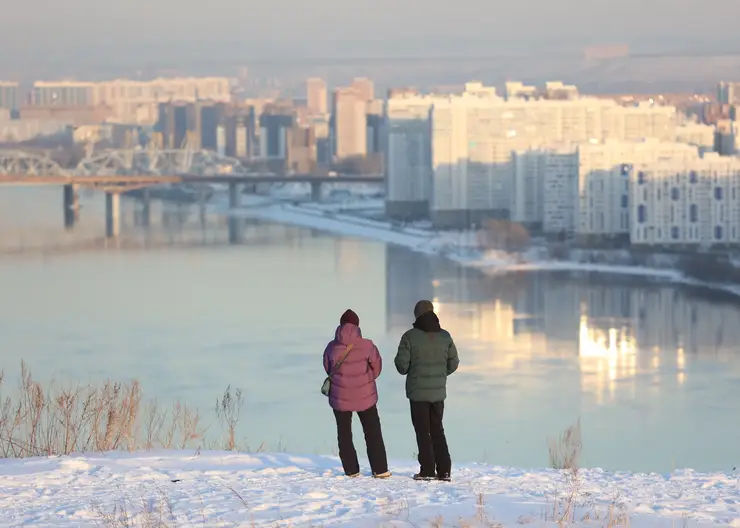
(119, 171)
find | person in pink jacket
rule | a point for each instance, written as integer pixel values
(354, 364)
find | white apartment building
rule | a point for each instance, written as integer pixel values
(408, 155)
(471, 159)
(473, 136)
(518, 90)
(604, 184)
(556, 89)
(697, 134)
(136, 102)
(560, 195)
(133, 102)
(316, 96)
(680, 202)
(528, 187)
(644, 120)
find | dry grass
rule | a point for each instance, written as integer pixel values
(45, 420)
(159, 512)
(153, 513)
(49, 420)
(572, 505)
(565, 453)
(228, 410)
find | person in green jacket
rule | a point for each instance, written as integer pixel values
(426, 356)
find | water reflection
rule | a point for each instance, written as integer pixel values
(641, 363)
(651, 369)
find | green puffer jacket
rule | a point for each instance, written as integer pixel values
(426, 356)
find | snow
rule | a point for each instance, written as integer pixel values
(459, 247)
(237, 489)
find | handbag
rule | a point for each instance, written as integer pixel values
(326, 386)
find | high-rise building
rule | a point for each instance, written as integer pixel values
(471, 159)
(725, 138)
(560, 191)
(275, 123)
(697, 134)
(518, 90)
(728, 93)
(321, 126)
(9, 96)
(584, 189)
(471, 139)
(179, 124)
(62, 93)
(408, 164)
(349, 119)
(686, 202)
(604, 184)
(528, 187)
(365, 88)
(301, 157)
(134, 102)
(316, 96)
(211, 115)
(558, 91)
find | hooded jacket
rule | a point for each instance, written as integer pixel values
(353, 385)
(426, 356)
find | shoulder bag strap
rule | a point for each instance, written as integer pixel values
(346, 353)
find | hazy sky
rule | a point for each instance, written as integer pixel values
(340, 19)
(30, 27)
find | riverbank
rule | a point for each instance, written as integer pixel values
(457, 246)
(192, 488)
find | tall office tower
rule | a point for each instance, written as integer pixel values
(365, 88)
(316, 96)
(349, 113)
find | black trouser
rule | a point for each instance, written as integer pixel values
(430, 438)
(373, 441)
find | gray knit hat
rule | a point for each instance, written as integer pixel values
(423, 307)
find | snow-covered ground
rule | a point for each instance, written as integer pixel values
(460, 247)
(234, 489)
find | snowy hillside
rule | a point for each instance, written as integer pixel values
(178, 488)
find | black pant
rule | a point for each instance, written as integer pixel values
(430, 438)
(373, 441)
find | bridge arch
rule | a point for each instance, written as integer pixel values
(21, 163)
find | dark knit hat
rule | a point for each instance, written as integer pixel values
(423, 307)
(349, 317)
